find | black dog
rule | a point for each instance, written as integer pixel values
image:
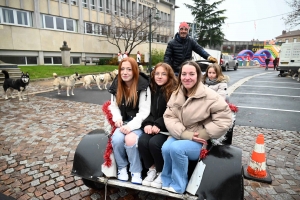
(18, 84)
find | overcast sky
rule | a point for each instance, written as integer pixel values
(242, 11)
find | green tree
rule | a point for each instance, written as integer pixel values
(208, 22)
(293, 18)
(157, 56)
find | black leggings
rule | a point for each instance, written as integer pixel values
(150, 150)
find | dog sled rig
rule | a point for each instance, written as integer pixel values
(221, 178)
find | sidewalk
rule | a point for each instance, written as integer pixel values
(39, 136)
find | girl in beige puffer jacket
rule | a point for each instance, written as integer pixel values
(215, 80)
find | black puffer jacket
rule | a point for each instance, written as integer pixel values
(158, 108)
(180, 50)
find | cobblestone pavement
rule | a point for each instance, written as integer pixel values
(38, 138)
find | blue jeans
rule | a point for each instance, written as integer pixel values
(121, 150)
(176, 154)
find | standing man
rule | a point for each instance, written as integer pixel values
(120, 57)
(138, 58)
(180, 49)
(125, 54)
(275, 63)
(267, 61)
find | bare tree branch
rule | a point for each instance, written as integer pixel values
(293, 18)
(130, 31)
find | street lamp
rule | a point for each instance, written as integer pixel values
(157, 17)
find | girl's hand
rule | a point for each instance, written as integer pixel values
(155, 130)
(148, 129)
(125, 129)
(197, 139)
(119, 123)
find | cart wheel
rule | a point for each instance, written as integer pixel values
(93, 184)
(279, 75)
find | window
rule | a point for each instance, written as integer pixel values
(96, 29)
(107, 6)
(19, 60)
(92, 4)
(65, 1)
(286, 40)
(75, 60)
(84, 3)
(295, 40)
(133, 9)
(52, 60)
(122, 8)
(116, 8)
(128, 8)
(100, 5)
(16, 17)
(58, 23)
(73, 2)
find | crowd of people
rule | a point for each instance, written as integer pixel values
(155, 119)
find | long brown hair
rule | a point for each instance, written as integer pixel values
(199, 77)
(123, 91)
(171, 83)
(218, 71)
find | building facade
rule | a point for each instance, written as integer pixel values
(32, 31)
(288, 37)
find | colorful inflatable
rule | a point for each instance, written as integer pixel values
(259, 56)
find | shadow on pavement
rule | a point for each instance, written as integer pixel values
(81, 94)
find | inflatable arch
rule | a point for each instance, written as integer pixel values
(245, 55)
(261, 55)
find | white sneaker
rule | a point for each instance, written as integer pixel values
(151, 174)
(122, 174)
(157, 182)
(136, 178)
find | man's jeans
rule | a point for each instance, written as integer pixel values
(121, 150)
(176, 154)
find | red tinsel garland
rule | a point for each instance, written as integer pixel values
(203, 153)
(109, 149)
(233, 107)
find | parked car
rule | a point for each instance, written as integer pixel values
(228, 62)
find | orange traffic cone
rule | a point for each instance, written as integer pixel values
(257, 169)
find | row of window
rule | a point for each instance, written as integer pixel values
(124, 8)
(32, 60)
(16, 17)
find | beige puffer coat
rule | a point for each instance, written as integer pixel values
(205, 112)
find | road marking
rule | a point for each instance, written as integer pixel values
(275, 82)
(278, 95)
(296, 111)
(270, 87)
(235, 86)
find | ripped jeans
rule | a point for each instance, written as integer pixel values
(121, 150)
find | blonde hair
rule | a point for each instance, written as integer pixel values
(218, 70)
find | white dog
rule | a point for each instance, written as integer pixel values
(141, 68)
(297, 74)
(107, 78)
(68, 82)
(88, 79)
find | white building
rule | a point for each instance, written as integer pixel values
(32, 31)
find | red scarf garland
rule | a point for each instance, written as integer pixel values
(109, 149)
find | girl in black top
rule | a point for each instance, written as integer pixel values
(163, 83)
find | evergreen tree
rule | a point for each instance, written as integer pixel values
(208, 22)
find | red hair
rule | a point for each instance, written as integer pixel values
(130, 94)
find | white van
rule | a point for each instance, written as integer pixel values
(214, 53)
(289, 57)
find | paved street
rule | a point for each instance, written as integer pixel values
(38, 138)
